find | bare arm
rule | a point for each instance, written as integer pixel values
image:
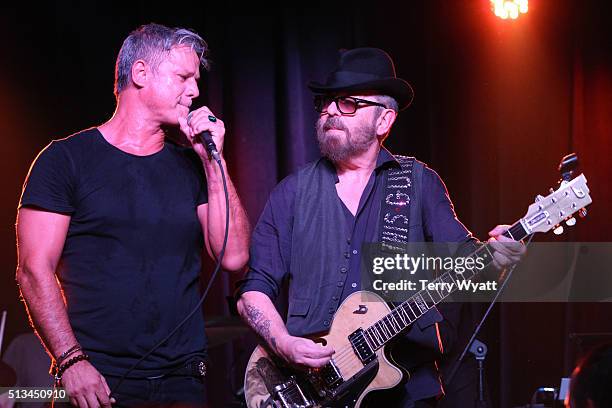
(212, 214)
(212, 217)
(258, 311)
(40, 240)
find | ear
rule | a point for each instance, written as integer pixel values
(385, 121)
(140, 73)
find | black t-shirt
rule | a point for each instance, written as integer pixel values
(131, 263)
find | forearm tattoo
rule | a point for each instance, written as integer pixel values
(260, 324)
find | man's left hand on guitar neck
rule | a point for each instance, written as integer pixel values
(507, 251)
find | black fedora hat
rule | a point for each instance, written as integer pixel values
(366, 69)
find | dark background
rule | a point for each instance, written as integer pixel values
(498, 103)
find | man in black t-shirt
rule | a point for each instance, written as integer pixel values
(118, 216)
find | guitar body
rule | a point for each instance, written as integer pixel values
(361, 309)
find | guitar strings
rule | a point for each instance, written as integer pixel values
(373, 338)
(348, 351)
(345, 353)
(379, 335)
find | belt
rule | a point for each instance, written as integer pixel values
(192, 368)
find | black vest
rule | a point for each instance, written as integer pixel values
(316, 281)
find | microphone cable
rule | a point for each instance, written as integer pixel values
(204, 294)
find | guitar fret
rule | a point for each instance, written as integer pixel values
(516, 232)
(398, 315)
(381, 332)
(440, 288)
(427, 303)
(376, 334)
(470, 271)
(366, 336)
(420, 302)
(385, 329)
(413, 307)
(438, 296)
(393, 322)
(384, 323)
(375, 343)
(490, 257)
(394, 327)
(398, 327)
(448, 277)
(456, 276)
(403, 306)
(445, 278)
(389, 327)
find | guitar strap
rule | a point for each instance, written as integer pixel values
(395, 206)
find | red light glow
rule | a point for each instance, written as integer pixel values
(512, 9)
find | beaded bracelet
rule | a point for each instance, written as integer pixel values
(65, 354)
(57, 362)
(62, 369)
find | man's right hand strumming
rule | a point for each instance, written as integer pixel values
(303, 352)
(258, 311)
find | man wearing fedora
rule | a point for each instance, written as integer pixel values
(315, 222)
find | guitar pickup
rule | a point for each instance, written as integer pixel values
(361, 346)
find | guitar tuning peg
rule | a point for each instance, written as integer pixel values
(558, 229)
(570, 222)
(582, 213)
(551, 190)
(539, 197)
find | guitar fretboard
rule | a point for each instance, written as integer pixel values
(417, 305)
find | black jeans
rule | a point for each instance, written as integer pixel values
(176, 391)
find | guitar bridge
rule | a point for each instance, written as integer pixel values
(330, 374)
(290, 395)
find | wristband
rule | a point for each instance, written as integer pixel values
(65, 354)
(62, 369)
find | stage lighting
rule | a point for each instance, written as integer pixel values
(505, 9)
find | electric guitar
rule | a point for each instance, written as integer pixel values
(360, 364)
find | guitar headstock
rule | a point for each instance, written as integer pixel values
(548, 212)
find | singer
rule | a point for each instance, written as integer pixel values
(111, 225)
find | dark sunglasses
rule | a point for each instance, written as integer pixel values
(346, 104)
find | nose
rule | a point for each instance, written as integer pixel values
(332, 109)
(192, 90)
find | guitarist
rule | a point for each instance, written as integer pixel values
(316, 220)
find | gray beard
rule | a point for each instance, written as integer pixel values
(354, 144)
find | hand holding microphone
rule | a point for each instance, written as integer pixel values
(205, 137)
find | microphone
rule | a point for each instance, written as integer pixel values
(206, 139)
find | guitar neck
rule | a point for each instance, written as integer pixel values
(394, 323)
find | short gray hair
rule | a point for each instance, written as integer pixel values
(151, 43)
(388, 101)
